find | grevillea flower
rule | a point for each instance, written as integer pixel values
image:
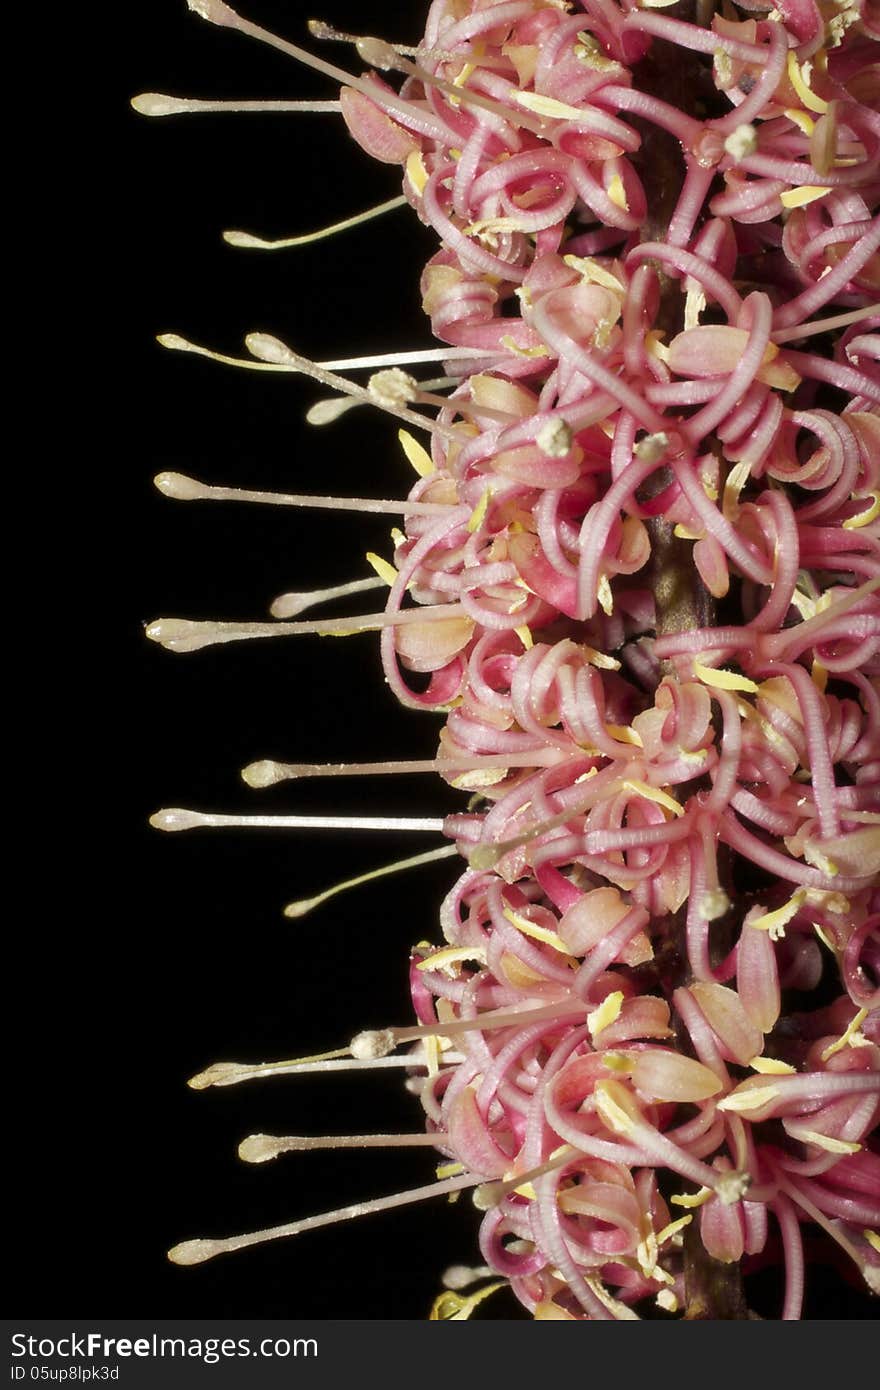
(638, 577)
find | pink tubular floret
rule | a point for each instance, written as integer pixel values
(706, 774)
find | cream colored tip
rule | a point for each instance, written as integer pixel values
(181, 487)
(458, 1277)
(487, 1195)
(219, 1074)
(193, 1252)
(325, 412)
(378, 54)
(652, 447)
(742, 142)
(268, 349)
(214, 11)
(372, 1044)
(260, 1148)
(484, 857)
(261, 774)
(234, 238)
(159, 104)
(174, 342)
(301, 908)
(732, 1187)
(555, 439)
(175, 818)
(181, 634)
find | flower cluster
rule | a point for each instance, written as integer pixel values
(690, 820)
(639, 577)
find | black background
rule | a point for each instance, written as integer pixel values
(138, 958)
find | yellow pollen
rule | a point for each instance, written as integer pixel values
(416, 172)
(775, 922)
(771, 1066)
(478, 515)
(624, 733)
(824, 1141)
(799, 197)
(850, 1038)
(548, 938)
(451, 956)
(691, 1199)
(752, 1099)
(617, 193)
(799, 77)
(864, 518)
(417, 455)
(723, 679)
(383, 568)
(608, 1012)
(453, 1307)
(801, 120)
(656, 794)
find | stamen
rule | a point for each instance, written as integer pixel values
(499, 1018)
(267, 773)
(193, 1252)
(288, 605)
(805, 330)
(160, 104)
(216, 12)
(274, 356)
(320, 30)
(177, 818)
(489, 1194)
(181, 488)
(260, 1148)
(256, 243)
(327, 411)
(398, 359)
(306, 905)
(186, 635)
(231, 1073)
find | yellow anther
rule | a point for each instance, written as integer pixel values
(656, 794)
(383, 568)
(454, 1307)
(691, 1199)
(549, 938)
(799, 197)
(799, 77)
(864, 518)
(771, 1066)
(617, 193)
(417, 455)
(451, 956)
(775, 922)
(722, 679)
(851, 1037)
(478, 515)
(752, 1099)
(607, 1013)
